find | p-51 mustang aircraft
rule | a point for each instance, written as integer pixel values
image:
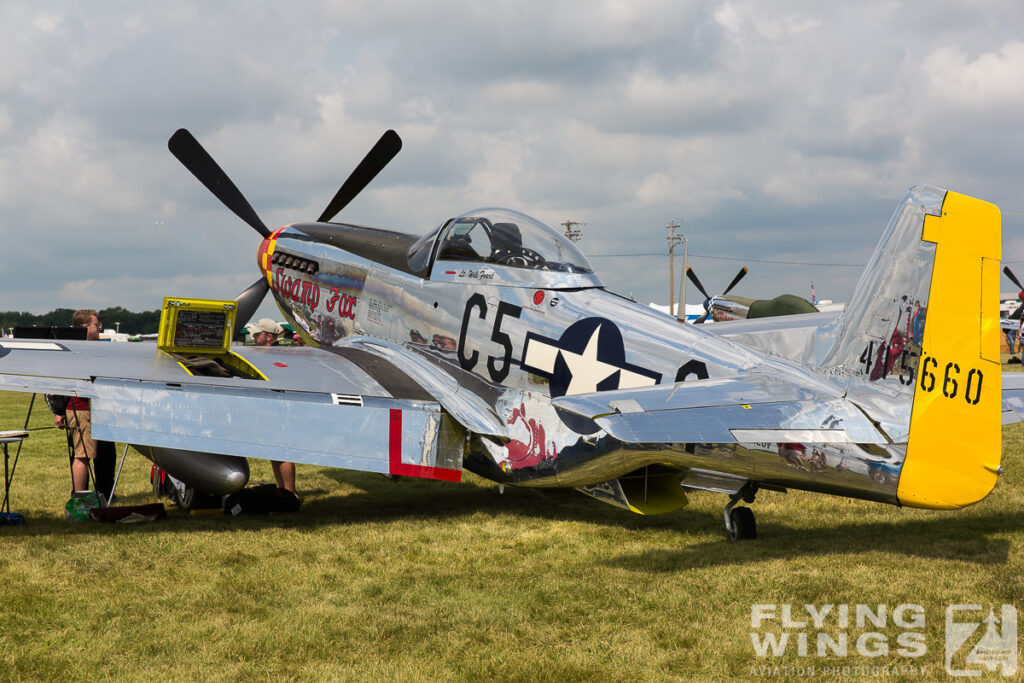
(489, 344)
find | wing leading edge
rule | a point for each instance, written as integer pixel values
(315, 407)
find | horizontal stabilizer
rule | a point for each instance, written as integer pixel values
(753, 407)
(1013, 397)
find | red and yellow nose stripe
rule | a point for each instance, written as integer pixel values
(264, 256)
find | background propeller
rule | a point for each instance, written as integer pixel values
(198, 161)
(739, 276)
(692, 276)
(1020, 288)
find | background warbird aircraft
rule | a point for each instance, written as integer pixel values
(490, 344)
(723, 307)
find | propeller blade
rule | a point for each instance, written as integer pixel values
(373, 163)
(196, 159)
(692, 276)
(249, 300)
(702, 318)
(1013, 278)
(735, 280)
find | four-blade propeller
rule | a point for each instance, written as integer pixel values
(198, 161)
(692, 276)
(1013, 278)
(373, 163)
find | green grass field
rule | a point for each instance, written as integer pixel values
(415, 580)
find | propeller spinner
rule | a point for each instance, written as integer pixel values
(198, 161)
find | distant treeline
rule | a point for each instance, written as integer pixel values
(146, 322)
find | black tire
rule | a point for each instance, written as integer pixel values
(744, 528)
(185, 498)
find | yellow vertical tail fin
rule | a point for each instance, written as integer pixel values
(953, 450)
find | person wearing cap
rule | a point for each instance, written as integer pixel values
(265, 332)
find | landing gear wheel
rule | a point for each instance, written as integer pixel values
(739, 521)
(184, 498)
(742, 525)
(184, 495)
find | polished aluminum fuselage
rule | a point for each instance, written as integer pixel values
(528, 336)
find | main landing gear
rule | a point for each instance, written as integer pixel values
(165, 485)
(739, 521)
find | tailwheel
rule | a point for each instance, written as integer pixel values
(739, 521)
(743, 526)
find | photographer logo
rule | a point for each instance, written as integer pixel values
(977, 643)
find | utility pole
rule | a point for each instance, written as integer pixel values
(673, 240)
(681, 309)
(572, 230)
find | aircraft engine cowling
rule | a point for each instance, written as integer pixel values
(208, 472)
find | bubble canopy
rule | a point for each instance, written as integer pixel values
(500, 237)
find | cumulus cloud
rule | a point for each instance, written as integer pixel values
(781, 129)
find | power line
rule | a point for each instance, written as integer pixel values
(741, 259)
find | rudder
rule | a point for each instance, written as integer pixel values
(954, 445)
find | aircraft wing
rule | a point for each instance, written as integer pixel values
(464, 395)
(1013, 397)
(351, 409)
(753, 407)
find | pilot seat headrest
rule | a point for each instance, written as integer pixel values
(506, 236)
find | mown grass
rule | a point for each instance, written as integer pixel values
(415, 580)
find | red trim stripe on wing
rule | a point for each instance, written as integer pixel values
(395, 464)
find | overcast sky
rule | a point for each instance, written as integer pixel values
(773, 131)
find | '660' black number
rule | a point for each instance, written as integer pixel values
(949, 380)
